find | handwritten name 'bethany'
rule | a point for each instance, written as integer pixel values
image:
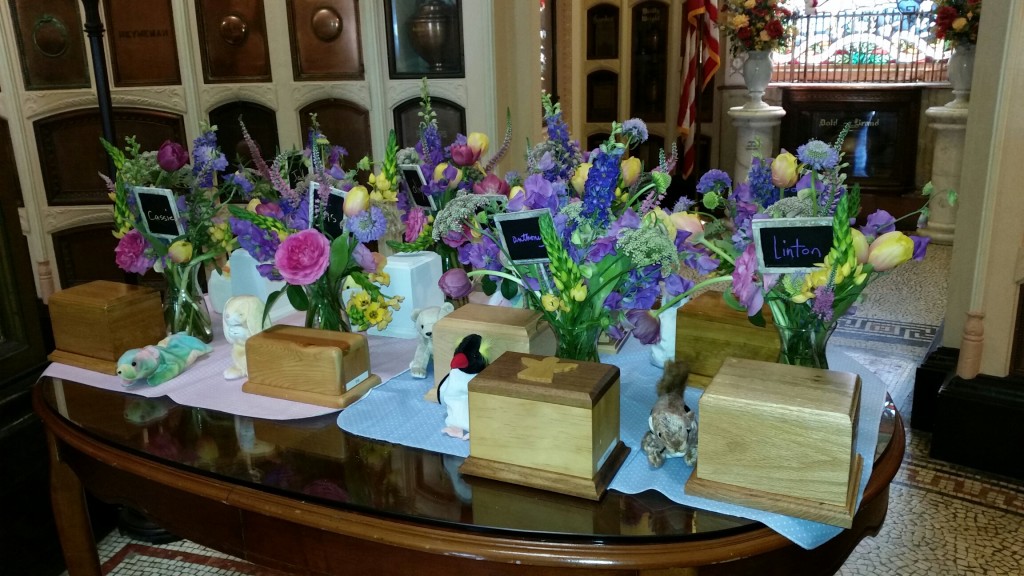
(796, 250)
(525, 237)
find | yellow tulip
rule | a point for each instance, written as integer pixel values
(356, 200)
(439, 174)
(890, 250)
(180, 251)
(478, 142)
(579, 177)
(959, 23)
(687, 222)
(784, 170)
(251, 206)
(660, 216)
(630, 170)
(515, 191)
(860, 246)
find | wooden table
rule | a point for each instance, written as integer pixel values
(305, 497)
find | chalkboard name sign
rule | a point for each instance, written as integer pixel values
(333, 214)
(520, 234)
(159, 211)
(791, 244)
(414, 181)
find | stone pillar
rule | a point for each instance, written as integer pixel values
(950, 125)
(754, 135)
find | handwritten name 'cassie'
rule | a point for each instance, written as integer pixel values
(155, 217)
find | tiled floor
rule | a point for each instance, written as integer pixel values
(943, 519)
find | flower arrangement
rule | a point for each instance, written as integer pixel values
(610, 248)
(201, 216)
(756, 25)
(449, 171)
(956, 21)
(292, 242)
(806, 305)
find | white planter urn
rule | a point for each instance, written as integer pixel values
(757, 74)
(961, 73)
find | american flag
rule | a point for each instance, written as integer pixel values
(702, 16)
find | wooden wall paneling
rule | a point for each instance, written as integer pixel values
(143, 51)
(344, 123)
(86, 253)
(21, 344)
(51, 45)
(602, 96)
(70, 154)
(233, 41)
(451, 120)
(261, 123)
(325, 41)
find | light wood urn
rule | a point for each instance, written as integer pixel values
(95, 323)
(319, 367)
(502, 329)
(780, 438)
(561, 434)
(708, 331)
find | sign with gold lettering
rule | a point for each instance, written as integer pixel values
(159, 210)
(791, 244)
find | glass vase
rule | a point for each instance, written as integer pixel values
(185, 307)
(805, 346)
(578, 342)
(325, 309)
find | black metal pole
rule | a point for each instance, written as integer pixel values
(94, 30)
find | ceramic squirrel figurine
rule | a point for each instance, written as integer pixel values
(673, 426)
(157, 364)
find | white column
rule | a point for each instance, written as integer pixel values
(755, 129)
(950, 126)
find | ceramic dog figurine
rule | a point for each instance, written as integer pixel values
(153, 365)
(673, 426)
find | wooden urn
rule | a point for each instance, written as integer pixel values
(546, 423)
(95, 323)
(780, 438)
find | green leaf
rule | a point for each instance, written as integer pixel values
(731, 301)
(297, 297)
(951, 197)
(509, 290)
(757, 320)
(271, 300)
(488, 285)
(340, 254)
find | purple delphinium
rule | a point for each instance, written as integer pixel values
(599, 191)
(713, 180)
(824, 297)
(537, 193)
(430, 149)
(818, 155)
(368, 225)
(566, 152)
(207, 159)
(259, 243)
(759, 182)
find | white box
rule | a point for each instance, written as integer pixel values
(414, 275)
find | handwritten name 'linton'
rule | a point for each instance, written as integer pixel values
(525, 237)
(796, 250)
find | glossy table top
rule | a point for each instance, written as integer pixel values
(313, 460)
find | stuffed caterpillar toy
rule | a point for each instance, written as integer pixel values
(673, 426)
(157, 364)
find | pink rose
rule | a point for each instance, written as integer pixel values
(130, 253)
(455, 283)
(171, 156)
(303, 257)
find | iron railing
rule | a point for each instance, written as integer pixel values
(876, 47)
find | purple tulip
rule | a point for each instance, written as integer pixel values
(646, 327)
(491, 184)
(455, 283)
(171, 156)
